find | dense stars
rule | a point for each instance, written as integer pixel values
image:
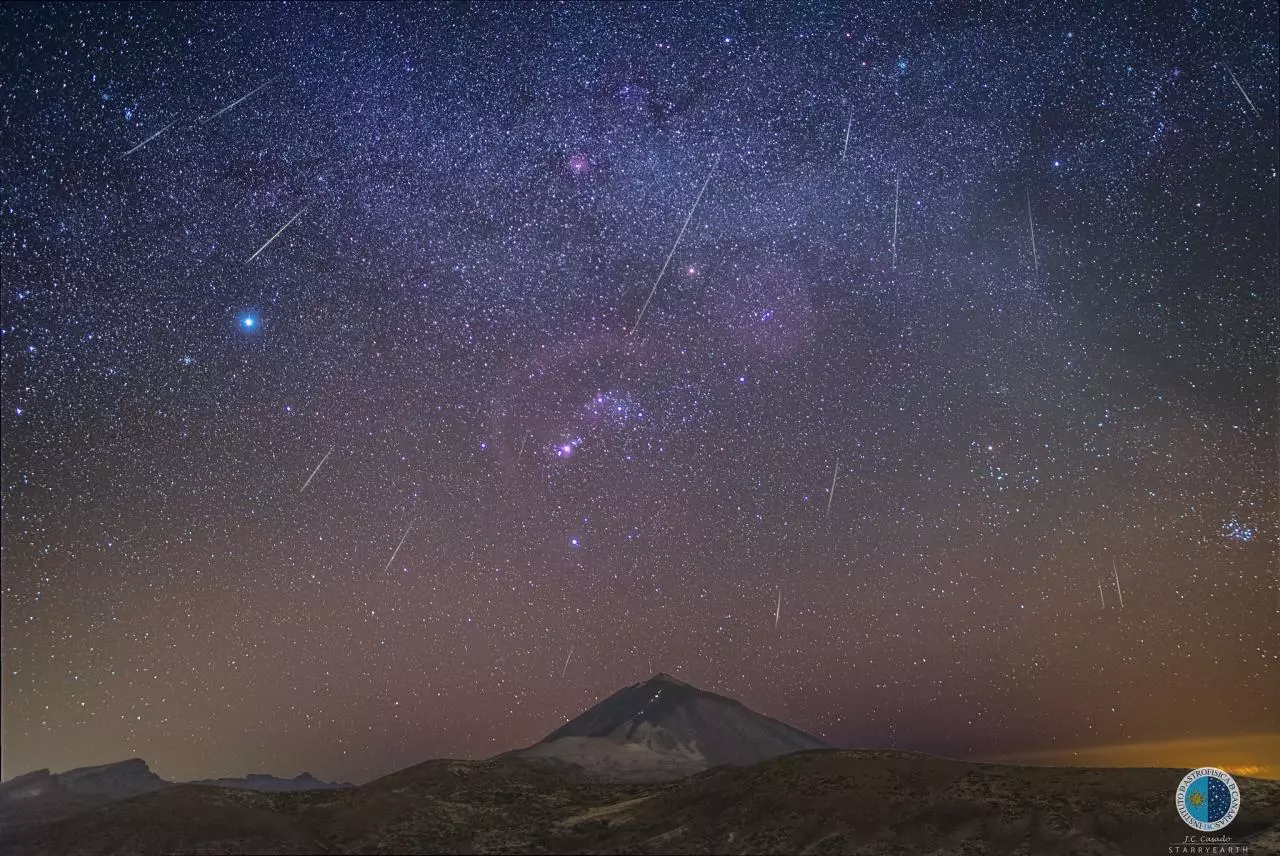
(334, 439)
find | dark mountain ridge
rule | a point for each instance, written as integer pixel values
(268, 782)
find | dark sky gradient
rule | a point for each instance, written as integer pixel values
(484, 196)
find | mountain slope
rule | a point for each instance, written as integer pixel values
(889, 802)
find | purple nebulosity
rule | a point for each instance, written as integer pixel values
(566, 448)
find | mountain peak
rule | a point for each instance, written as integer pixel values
(664, 678)
(664, 728)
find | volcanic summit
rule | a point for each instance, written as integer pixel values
(664, 728)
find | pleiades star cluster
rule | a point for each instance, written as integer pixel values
(386, 382)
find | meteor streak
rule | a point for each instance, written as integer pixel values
(1031, 220)
(832, 492)
(316, 470)
(679, 237)
(1247, 99)
(234, 103)
(276, 235)
(897, 182)
(149, 139)
(403, 538)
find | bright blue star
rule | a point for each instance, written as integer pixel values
(248, 323)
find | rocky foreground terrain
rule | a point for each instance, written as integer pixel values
(822, 801)
(657, 767)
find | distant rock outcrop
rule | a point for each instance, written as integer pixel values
(111, 781)
(41, 796)
(267, 782)
(664, 728)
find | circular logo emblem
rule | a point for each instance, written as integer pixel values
(1208, 799)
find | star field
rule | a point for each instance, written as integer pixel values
(332, 421)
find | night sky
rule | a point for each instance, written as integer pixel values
(565, 443)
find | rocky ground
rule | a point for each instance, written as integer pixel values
(866, 802)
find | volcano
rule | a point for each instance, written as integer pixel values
(603, 783)
(664, 728)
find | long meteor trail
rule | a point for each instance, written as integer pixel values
(1247, 99)
(679, 238)
(777, 612)
(1119, 593)
(316, 470)
(566, 662)
(247, 95)
(847, 128)
(276, 235)
(149, 139)
(1032, 221)
(897, 183)
(403, 538)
